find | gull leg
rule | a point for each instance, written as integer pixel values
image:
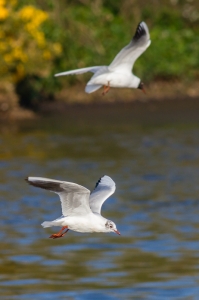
(64, 232)
(106, 88)
(60, 233)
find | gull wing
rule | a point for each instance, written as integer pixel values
(103, 189)
(74, 198)
(79, 71)
(126, 58)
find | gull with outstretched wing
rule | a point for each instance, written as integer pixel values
(81, 210)
(119, 73)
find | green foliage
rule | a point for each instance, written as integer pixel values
(94, 32)
(82, 33)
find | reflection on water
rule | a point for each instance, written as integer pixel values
(152, 153)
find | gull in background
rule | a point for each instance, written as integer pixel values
(119, 73)
(81, 210)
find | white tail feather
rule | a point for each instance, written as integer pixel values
(47, 224)
(92, 88)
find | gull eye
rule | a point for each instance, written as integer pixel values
(111, 226)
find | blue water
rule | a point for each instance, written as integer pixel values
(155, 164)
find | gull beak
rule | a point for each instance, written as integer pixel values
(116, 231)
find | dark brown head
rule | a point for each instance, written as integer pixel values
(141, 87)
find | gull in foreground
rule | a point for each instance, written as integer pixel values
(81, 210)
(118, 74)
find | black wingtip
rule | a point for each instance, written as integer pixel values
(28, 181)
(47, 185)
(99, 181)
(140, 31)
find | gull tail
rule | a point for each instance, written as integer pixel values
(92, 88)
(79, 71)
(47, 224)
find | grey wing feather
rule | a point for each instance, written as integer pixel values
(103, 189)
(79, 71)
(74, 198)
(127, 56)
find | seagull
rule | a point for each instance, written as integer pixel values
(118, 74)
(81, 210)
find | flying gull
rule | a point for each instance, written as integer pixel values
(81, 210)
(119, 73)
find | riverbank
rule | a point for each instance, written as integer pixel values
(75, 95)
(158, 90)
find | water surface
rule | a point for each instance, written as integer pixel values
(151, 150)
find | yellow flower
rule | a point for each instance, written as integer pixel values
(18, 54)
(2, 2)
(40, 17)
(3, 13)
(30, 13)
(30, 28)
(24, 47)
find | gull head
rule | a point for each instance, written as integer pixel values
(111, 227)
(141, 87)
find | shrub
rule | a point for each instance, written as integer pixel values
(24, 47)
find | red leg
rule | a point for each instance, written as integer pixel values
(60, 234)
(106, 89)
(64, 232)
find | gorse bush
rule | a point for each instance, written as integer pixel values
(24, 48)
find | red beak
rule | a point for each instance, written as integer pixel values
(116, 231)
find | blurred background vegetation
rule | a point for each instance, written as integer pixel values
(44, 37)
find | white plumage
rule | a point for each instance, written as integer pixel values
(119, 72)
(81, 211)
